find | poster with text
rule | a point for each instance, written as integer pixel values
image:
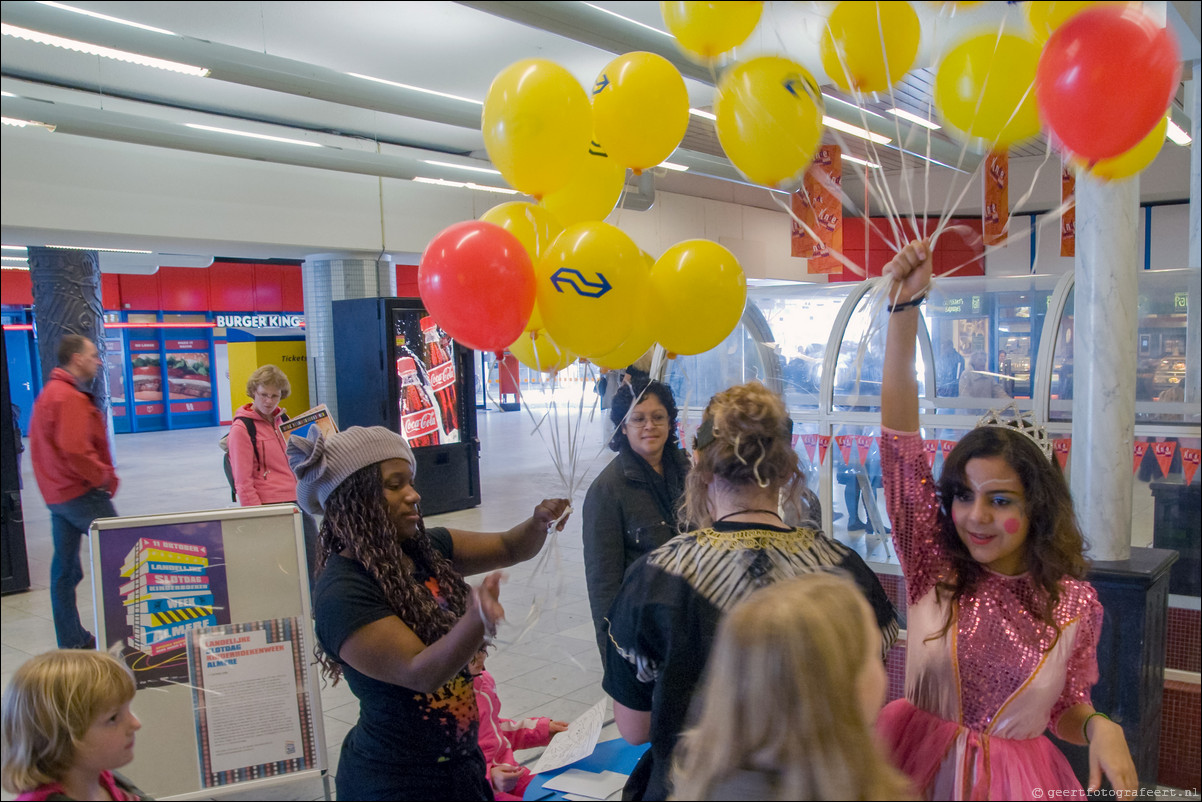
(161, 582)
(820, 207)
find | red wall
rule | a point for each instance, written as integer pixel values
(954, 249)
(406, 281)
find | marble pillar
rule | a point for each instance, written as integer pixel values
(333, 277)
(67, 300)
(1193, 323)
(1104, 353)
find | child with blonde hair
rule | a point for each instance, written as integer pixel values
(791, 692)
(67, 726)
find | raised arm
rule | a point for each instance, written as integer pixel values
(477, 552)
(911, 273)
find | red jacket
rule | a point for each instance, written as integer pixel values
(500, 736)
(273, 482)
(68, 442)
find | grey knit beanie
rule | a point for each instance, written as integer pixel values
(321, 463)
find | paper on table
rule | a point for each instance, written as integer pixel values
(576, 742)
(587, 783)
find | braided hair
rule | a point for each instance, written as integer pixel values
(357, 521)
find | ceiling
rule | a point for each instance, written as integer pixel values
(284, 69)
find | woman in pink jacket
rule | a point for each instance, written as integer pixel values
(499, 737)
(261, 472)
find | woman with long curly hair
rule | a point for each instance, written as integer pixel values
(395, 617)
(663, 621)
(1003, 629)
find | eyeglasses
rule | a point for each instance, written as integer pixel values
(639, 421)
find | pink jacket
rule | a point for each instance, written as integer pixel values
(499, 737)
(273, 482)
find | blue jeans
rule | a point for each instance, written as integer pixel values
(69, 521)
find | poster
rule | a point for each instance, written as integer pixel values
(170, 579)
(147, 374)
(427, 380)
(189, 375)
(996, 209)
(1068, 221)
(820, 207)
(250, 693)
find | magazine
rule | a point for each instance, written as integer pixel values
(319, 416)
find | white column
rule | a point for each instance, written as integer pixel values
(1193, 319)
(1105, 319)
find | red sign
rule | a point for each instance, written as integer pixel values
(148, 409)
(810, 441)
(995, 216)
(844, 441)
(863, 446)
(824, 442)
(187, 345)
(192, 406)
(420, 424)
(1140, 449)
(1164, 454)
(1190, 458)
(1062, 447)
(143, 345)
(442, 376)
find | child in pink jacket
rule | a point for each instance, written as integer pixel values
(499, 737)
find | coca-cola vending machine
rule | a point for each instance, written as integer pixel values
(396, 368)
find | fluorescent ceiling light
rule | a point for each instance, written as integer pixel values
(1177, 134)
(105, 17)
(465, 185)
(14, 258)
(488, 170)
(680, 168)
(839, 125)
(15, 123)
(105, 52)
(7, 94)
(851, 105)
(412, 88)
(232, 132)
(914, 118)
(15, 267)
(81, 248)
(861, 161)
(13, 247)
(628, 19)
(703, 114)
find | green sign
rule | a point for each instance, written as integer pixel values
(1180, 301)
(963, 304)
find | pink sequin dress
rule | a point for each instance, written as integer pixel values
(979, 698)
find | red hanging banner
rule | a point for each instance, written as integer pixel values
(996, 209)
(863, 446)
(1068, 221)
(1140, 449)
(1190, 458)
(820, 206)
(809, 441)
(844, 441)
(946, 446)
(1062, 447)
(824, 442)
(931, 448)
(1164, 454)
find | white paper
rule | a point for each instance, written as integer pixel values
(587, 783)
(250, 699)
(576, 742)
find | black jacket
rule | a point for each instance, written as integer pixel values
(624, 519)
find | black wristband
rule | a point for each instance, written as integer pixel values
(915, 301)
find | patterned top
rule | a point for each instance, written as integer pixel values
(998, 642)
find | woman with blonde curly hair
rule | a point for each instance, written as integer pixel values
(67, 727)
(663, 621)
(790, 696)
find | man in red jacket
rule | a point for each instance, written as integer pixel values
(69, 446)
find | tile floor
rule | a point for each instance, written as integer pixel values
(546, 662)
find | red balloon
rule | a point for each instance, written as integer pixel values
(477, 281)
(1105, 78)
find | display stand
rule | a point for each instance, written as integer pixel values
(211, 612)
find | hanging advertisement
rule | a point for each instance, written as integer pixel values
(1068, 221)
(189, 376)
(995, 217)
(819, 207)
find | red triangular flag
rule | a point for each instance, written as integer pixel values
(946, 446)
(795, 438)
(1190, 457)
(1164, 454)
(931, 447)
(845, 441)
(1062, 447)
(1141, 448)
(863, 446)
(824, 442)
(809, 441)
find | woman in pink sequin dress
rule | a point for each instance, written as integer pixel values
(1002, 630)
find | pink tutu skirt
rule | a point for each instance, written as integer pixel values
(948, 761)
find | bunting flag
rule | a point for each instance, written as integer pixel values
(824, 442)
(795, 438)
(863, 446)
(820, 206)
(1141, 448)
(1062, 447)
(946, 446)
(1068, 221)
(931, 447)
(995, 215)
(1164, 455)
(809, 441)
(845, 441)
(1190, 458)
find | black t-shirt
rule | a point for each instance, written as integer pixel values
(398, 726)
(665, 618)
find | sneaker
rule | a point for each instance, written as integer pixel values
(855, 526)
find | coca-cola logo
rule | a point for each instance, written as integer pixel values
(419, 424)
(442, 376)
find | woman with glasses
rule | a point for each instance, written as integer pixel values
(631, 506)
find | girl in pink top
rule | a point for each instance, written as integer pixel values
(1003, 631)
(67, 726)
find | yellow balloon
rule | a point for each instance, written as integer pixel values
(640, 109)
(642, 336)
(534, 226)
(710, 29)
(1133, 161)
(1046, 16)
(536, 125)
(592, 193)
(868, 47)
(769, 122)
(701, 290)
(587, 283)
(538, 351)
(984, 88)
